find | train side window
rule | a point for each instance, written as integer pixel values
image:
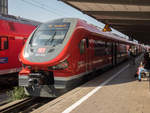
(87, 42)
(3, 43)
(99, 48)
(82, 46)
(106, 49)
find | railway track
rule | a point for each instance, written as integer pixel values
(24, 106)
(7, 83)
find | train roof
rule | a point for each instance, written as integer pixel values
(98, 31)
(16, 27)
(94, 29)
(19, 19)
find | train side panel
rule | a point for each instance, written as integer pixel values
(9, 56)
(12, 38)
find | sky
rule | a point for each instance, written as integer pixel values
(46, 10)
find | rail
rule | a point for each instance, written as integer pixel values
(25, 105)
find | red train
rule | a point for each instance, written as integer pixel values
(60, 53)
(13, 34)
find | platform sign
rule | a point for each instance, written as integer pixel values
(3, 60)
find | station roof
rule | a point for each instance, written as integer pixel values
(131, 17)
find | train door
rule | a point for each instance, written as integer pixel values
(3, 53)
(82, 62)
(84, 51)
(18, 42)
(114, 54)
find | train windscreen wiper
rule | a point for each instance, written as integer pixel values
(50, 39)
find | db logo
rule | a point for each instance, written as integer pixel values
(41, 50)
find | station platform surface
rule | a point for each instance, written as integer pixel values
(115, 91)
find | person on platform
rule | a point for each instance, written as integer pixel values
(144, 66)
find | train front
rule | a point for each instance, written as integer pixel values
(43, 56)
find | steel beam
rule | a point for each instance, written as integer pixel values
(120, 15)
(125, 2)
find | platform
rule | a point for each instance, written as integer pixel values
(115, 91)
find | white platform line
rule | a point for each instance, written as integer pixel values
(69, 109)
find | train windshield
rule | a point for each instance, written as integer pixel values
(50, 34)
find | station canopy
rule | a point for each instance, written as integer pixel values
(131, 17)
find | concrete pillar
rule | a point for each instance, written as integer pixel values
(3, 6)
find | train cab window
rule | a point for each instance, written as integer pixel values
(82, 46)
(3, 43)
(50, 34)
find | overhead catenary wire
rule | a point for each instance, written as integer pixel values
(41, 7)
(44, 5)
(49, 7)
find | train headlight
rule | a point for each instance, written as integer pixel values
(62, 65)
